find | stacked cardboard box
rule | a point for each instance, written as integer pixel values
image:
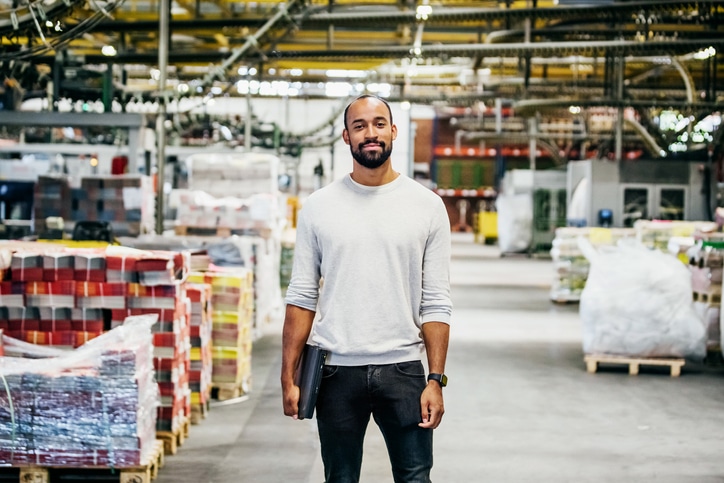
(159, 291)
(200, 374)
(705, 266)
(232, 300)
(126, 201)
(45, 300)
(51, 198)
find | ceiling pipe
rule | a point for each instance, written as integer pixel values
(612, 47)
(656, 150)
(252, 41)
(442, 15)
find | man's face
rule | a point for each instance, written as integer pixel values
(369, 132)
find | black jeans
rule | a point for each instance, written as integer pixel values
(391, 394)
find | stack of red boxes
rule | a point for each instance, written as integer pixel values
(201, 357)
(160, 291)
(40, 305)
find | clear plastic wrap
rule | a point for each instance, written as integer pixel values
(93, 406)
(637, 302)
(515, 222)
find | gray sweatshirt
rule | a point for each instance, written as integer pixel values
(373, 263)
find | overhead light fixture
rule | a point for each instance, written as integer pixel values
(177, 9)
(337, 89)
(423, 12)
(109, 51)
(344, 73)
(296, 72)
(705, 54)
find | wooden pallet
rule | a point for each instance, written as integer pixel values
(223, 391)
(220, 231)
(566, 300)
(633, 363)
(172, 440)
(143, 473)
(200, 231)
(712, 297)
(199, 412)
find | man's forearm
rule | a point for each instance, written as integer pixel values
(297, 326)
(436, 336)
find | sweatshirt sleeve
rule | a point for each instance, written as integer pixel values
(303, 290)
(436, 305)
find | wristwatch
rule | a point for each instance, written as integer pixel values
(440, 378)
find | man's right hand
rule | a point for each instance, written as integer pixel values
(290, 399)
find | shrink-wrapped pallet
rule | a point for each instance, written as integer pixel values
(637, 302)
(94, 406)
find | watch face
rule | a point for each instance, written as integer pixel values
(444, 380)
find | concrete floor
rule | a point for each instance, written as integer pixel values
(520, 406)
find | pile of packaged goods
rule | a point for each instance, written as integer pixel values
(93, 406)
(659, 233)
(201, 352)
(126, 201)
(232, 300)
(51, 198)
(705, 265)
(104, 287)
(571, 266)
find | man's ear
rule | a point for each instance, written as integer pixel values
(345, 136)
(394, 132)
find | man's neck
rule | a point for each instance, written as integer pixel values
(373, 177)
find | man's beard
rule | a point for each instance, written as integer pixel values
(371, 159)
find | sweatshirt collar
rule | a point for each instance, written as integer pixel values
(363, 189)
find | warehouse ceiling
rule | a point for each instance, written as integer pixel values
(450, 51)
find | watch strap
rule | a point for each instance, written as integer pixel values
(440, 378)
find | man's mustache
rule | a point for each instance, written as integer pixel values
(379, 143)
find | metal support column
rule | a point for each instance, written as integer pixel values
(532, 141)
(108, 88)
(619, 74)
(163, 33)
(247, 121)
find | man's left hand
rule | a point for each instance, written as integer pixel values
(432, 406)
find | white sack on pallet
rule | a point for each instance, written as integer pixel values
(637, 302)
(515, 222)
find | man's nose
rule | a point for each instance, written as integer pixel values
(371, 133)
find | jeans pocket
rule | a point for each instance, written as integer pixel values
(329, 371)
(411, 368)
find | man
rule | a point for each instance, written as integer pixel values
(370, 282)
